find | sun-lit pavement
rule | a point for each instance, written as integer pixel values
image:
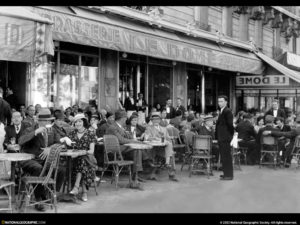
(253, 190)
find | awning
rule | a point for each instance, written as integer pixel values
(281, 68)
(290, 60)
(24, 35)
(110, 32)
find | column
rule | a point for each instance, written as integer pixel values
(202, 92)
(227, 21)
(244, 27)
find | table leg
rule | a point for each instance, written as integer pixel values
(12, 178)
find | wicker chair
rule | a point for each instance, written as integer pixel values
(201, 157)
(7, 186)
(188, 139)
(295, 152)
(178, 146)
(269, 146)
(47, 178)
(114, 158)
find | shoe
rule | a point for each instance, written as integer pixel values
(173, 178)
(84, 197)
(226, 178)
(97, 179)
(40, 207)
(74, 191)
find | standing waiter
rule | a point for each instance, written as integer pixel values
(224, 135)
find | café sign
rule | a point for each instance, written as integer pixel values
(96, 33)
(270, 80)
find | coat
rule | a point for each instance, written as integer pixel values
(152, 132)
(5, 112)
(280, 113)
(202, 130)
(139, 130)
(224, 126)
(176, 122)
(181, 108)
(245, 131)
(171, 114)
(123, 136)
(11, 132)
(128, 105)
(143, 107)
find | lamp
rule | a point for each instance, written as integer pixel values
(210, 69)
(124, 55)
(174, 63)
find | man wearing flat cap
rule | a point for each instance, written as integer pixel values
(289, 134)
(117, 128)
(35, 141)
(156, 132)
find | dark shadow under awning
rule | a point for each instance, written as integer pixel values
(281, 68)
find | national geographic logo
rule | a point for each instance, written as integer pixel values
(22, 222)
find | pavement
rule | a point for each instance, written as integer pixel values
(253, 190)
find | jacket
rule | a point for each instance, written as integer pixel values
(245, 131)
(123, 136)
(152, 132)
(11, 132)
(224, 125)
(5, 112)
(280, 113)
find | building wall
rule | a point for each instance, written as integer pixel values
(268, 41)
(178, 14)
(215, 18)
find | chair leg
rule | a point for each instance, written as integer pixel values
(95, 186)
(102, 173)
(117, 176)
(130, 180)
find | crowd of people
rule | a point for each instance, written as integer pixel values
(27, 130)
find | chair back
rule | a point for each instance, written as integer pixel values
(52, 163)
(296, 147)
(175, 134)
(268, 143)
(189, 137)
(111, 147)
(202, 142)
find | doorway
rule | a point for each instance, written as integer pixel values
(13, 75)
(194, 90)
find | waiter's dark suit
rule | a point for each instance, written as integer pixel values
(181, 108)
(280, 113)
(171, 114)
(224, 135)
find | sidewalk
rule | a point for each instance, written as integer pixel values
(253, 190)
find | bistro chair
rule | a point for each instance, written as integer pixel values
(202, 155)
(269, 147)
(178, 146)
(114, 158)
(6, 186)
(188, 139)
(236, 158)
(296, 151)
(47, 178)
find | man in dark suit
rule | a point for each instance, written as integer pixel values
(169, 109)
(5, 110)
(13, 132)
(129, 104)
(179, 106)
(117, 128)
(275, 110)
(11, 98)
(224, 135)
(282, 141)
(247, 135)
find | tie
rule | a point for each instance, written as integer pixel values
(17, 128)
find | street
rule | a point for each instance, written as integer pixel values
(253, 190)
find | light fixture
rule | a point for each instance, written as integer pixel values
(210, 69)
(174, 63)
(124, 55)
(238, 74)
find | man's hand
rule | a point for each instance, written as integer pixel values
(45, 153)
(267, 132)
(15, 147)
(40, 130)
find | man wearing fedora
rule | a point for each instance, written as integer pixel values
(34, 140)
(117, 128)
(292, 135)
(156, 132)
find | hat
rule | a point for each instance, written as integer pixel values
(269, 119)
(45, 114)
(155, 116)
(120, 114)
(58, 114)
(109, 114)
(96, 116)
(208, 117)
(79, 116)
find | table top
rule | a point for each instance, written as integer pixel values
(138, 146)
(155, 143)
(73, 153)
(16, 156)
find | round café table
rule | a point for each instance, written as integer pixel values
(70, 154)
(137, 147)
(14, 158)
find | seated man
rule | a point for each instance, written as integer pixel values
(288, 134)
(156, 132)
(34, 140)
(164, 121)
(117, 128)
(13, 132)
(110, 118)
(208, 129)
(282, 141)
(177, 120)
(246, 132)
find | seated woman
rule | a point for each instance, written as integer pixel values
(134, 128)
(84, 167)
(260, 123)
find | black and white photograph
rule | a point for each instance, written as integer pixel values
(150, 109)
